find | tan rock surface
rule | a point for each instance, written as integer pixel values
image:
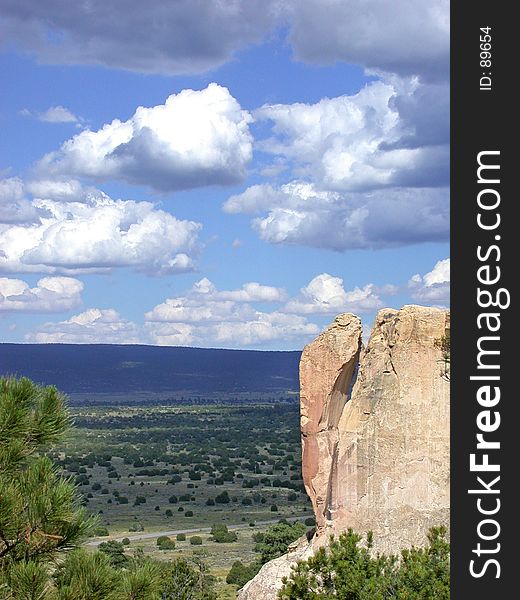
(326, 369)
(392, 470)
(379, 459)
(268, 580)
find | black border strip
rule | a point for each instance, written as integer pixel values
(482, 119)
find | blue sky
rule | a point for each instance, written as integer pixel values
(220, 174)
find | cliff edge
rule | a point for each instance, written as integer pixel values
(375, 435)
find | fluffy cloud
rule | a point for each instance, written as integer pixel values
(62, 190)
(203, 317)
(185, 36)
(434, 287)
(265, 327)
(208, 317)
(14, 206)
(254, 292)
(54, 114)
(408, 37)
(51, 294)
(195, 138)
(298, 213)
(376, 138)
(370, 170)
(188, 36)
(58, 114)
(325, 294)
(259, 330)
(93, 326)
(205, 303)
(97, 233)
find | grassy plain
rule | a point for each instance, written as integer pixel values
(156, 469)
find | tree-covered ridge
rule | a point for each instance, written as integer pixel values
(129, 369)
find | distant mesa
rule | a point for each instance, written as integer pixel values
(80, 369)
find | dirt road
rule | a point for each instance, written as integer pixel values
(135, 537)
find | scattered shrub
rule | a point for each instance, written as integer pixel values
(165, 543)
(221, 534)
(240, 574)
(222, 498)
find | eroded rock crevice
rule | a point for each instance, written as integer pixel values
(327, 368)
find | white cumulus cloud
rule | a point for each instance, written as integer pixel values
(375, 138)
(62, 190)
(325, 294)
(50, 294)
(15, 207)
(93, 326)
(256, 331)
(298, 213)
(206, 316)
(433, 287)
(370, 170)
(205, 303)
(98, 233)
(195, 138)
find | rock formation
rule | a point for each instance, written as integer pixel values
(327, 368)
(375, 435)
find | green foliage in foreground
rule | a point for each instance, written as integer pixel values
(90, 576)
(40, 509)
(346, 570)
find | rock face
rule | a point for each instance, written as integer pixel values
(327, 367)
(375, 435)
(390, 468)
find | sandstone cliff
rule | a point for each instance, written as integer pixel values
(375, 435)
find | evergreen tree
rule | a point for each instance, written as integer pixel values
(40, 509)
(347, 570)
